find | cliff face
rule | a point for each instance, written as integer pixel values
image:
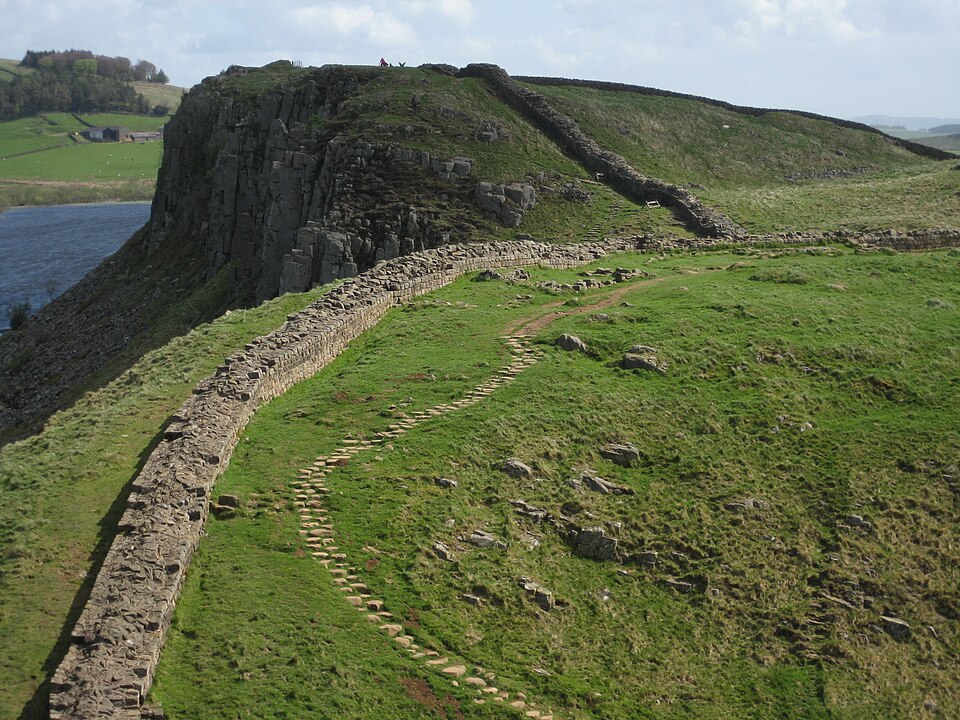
(269, 189)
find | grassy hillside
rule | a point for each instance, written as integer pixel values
(160, 94)
(774, 393)
(735, 161)
(60, 490)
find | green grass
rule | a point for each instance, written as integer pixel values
(753, 355)
(767, 172)
(87, 162)
(907, 199)
(40, 164)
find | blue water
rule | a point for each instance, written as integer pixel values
(44, 249)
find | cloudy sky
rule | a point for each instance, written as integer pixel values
(837, 57)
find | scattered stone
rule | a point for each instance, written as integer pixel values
(538, 515)
(592, 543)
(231, 501)
(540, 595)
(474, 600)
(648, 558)
(455, 670)
(624, 454)
(443, 552)
(481, 538)
(446, 483)
(517, 469)
(605, 487)
(679, 585)
(487, 275)
(898, 629)
(644, 361)
(571, 343)
(854, 520)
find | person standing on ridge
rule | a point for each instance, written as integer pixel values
(383, 63)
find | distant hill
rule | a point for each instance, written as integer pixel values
(950, 129)
(79, 81)
(907, 123)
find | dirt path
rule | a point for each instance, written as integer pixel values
(527, 327)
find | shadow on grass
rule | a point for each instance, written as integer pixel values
(37, 708)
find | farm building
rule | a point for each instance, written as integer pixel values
(112, 133)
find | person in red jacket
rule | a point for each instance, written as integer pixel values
(383, 63)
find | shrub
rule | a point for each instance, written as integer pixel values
(18, 314)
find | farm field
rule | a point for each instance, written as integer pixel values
(41, 164)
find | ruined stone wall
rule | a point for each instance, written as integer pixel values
(615, 170)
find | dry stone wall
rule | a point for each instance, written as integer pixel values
(614, 169)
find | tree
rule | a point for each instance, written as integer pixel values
(144, 70)
(161, 109)
(86, 66)
(161, 77)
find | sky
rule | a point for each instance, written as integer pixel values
(844, 58)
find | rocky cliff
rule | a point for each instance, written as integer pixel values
(269, 186)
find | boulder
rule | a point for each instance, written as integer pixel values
(517, 469)
(897, 629)
(481, 538)
(571, 343)
(642, 361)
(605, 487)
(592, 543)
(442, 551)
(624, 454)
(539, 594)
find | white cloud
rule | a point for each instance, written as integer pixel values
(460, 10)
(554, 58)
(798, 18)
(347, 19)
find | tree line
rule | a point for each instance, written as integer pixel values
(76, 81)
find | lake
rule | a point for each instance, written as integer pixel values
(45, 250)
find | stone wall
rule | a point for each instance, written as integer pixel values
(913, 147)
(615, 170)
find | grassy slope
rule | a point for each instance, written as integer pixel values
(60, 492)
(445, 121)
(157, 94)
(742, 162)
(769, 345)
